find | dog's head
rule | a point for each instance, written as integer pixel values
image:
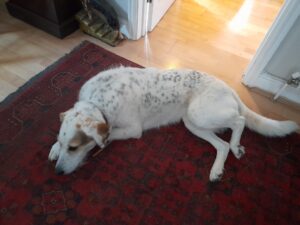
(83, 126)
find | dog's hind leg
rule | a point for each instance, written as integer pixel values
(237, 129)
(221, 146)
(208, 113)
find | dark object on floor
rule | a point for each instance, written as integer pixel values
(56, 17)
(108, 12)
(158, 179)
(100, 20)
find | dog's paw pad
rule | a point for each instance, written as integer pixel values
(53, 156)
(215, 176)
(239, 152)
(54, 152)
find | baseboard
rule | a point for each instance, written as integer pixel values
(59, 30)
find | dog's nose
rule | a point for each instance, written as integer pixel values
(59, 171)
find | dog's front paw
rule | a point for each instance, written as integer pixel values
(54, 152)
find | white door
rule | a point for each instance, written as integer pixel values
(157, 9)
(278, 57)
(137, 17)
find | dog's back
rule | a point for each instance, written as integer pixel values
(159, 96)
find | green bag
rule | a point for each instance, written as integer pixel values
(99, 20)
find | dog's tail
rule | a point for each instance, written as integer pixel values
(263, 125)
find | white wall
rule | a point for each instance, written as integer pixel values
(122, 8)
(286, 59)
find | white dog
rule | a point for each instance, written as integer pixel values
(121, 103)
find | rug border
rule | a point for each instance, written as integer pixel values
(12, 96)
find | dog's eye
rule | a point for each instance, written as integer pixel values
(72, 149)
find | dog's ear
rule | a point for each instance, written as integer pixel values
(102, 129)
(97, 130)
(79, 139)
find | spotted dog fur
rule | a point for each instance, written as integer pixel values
(121, 103)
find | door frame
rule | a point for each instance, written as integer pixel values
(136, 10)
(140, 14)
(255, 74)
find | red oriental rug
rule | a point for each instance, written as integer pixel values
(160, 179)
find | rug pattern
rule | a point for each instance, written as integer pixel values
(160, 179)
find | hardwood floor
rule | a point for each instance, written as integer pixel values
(219, 37)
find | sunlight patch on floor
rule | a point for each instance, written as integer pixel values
(210, 6)
(147, 46)
(172, 64)
(240, 20)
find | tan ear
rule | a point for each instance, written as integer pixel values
(79, 139)
(76, 141)
(98, 131)
(102, 129)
